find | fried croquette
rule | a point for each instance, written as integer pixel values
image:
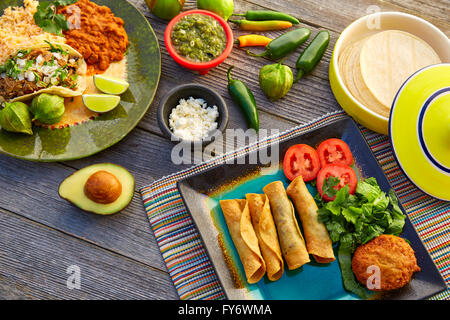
(392, 255)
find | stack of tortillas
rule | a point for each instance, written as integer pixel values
(375, 67)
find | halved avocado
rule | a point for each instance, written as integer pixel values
(103, 188)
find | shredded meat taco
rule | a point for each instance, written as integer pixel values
(47, 68)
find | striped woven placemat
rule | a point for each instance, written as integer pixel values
(186, 258)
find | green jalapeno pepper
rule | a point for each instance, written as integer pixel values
(245, 99)
(259, 15)
(284, 44)
(311, 56)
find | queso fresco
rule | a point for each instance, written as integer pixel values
(199, 38)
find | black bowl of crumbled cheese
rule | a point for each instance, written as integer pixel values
(192, 113)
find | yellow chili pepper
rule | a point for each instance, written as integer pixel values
(253, 40)
(269, 25)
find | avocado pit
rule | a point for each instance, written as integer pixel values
(103, 187)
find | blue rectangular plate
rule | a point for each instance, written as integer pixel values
(201, 194)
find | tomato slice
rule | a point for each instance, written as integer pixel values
(334, 151)
(301, 160)
(346, 175)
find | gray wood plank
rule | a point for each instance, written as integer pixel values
(337, 15)
(34, 261)
(437, 9)
(31, 190)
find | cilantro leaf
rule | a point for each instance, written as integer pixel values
(63, 3)
(48, 26)
(47, 18)
(61, 22)
(328, 186)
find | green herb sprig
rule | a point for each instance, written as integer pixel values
(11, 69)
(48, 19)
(56, 48)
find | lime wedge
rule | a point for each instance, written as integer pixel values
(100, 102)
(110, 85)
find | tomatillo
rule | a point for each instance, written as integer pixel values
(223, 8)
(15, 117)
(165, 9)
(276, 80)
(47, 108)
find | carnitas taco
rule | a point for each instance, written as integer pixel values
(47, 68)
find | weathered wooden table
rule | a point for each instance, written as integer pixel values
(42, 236)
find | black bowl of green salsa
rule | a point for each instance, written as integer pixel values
(199, 40)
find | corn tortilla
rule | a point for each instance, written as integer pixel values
(388, 58)
(266, 233)
(349, 64)
(237, 217)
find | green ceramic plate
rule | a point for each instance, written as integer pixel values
(144, 69)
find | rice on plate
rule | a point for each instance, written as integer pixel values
(18, 30)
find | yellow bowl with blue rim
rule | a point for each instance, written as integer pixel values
(369, 25)
(419, 129)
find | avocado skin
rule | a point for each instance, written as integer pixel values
(72, 189)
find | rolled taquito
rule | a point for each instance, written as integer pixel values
(291, 240)
(318, 242)
(240, 227)
(266, 233)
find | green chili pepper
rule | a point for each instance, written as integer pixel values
(284, 44)
(245, 99)
(259, 15)
(311, 56)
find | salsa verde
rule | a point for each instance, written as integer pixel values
(199, 38)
